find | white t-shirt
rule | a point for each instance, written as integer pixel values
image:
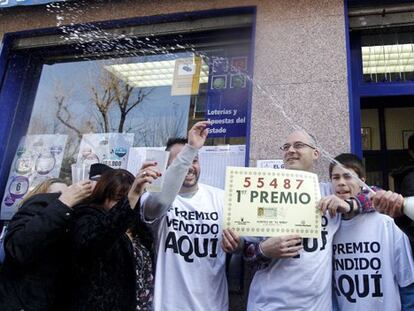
(302, 283)
(190, 264)
(372, 257)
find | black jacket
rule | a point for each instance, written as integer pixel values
(404, 180)
(103, 264)
(37, 247)
(404, 184)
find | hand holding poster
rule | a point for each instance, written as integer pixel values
(269, 202)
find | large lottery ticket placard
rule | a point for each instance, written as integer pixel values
(269, 202)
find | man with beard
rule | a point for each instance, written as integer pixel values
(185, 218)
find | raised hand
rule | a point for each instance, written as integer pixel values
(147, 174)
(75, 193)
(197, 135)
(282, 247)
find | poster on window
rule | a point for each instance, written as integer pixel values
(111, 149)
(213, 161)
(186, 77)
(227, 96)
(38, 157)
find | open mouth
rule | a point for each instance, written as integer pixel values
(343, 192)
(292, 159)
(190, 175)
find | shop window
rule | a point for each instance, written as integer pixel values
(145, 88)
(388, 55)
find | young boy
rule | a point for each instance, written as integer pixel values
(372, 256)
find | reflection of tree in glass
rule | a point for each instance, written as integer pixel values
(110, 97)
(109, 92)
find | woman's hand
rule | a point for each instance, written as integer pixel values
(75, 193)
(146, 175)
(197, 135)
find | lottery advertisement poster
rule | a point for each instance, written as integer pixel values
(111, 149)
(38, 157)
(269, 202)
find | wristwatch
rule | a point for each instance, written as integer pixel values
(351, 204)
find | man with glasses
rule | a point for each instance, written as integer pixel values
(295, 274)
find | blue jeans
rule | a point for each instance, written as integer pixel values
(407, 297)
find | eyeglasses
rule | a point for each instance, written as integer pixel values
(296, 145)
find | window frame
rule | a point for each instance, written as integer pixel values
(18, 85)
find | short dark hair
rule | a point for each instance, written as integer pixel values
(411, 142)
(175, 141)
(349, 160)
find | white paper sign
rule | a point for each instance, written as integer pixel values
(275, 163)
(213, 161)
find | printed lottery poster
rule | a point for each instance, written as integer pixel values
(38, 157)
(186, 78)
(272, 202)
(108, 148)
(213, 161)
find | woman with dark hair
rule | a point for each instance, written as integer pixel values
(33, 276)
(112, 250)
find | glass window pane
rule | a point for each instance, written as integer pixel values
(399, 126)
(145, 95)
(388, 55)
(370, 132)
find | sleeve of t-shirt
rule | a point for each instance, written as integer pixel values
(404, 265)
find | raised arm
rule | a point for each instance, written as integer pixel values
(156, 204)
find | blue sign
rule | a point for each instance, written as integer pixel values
(10, 3)
(227, 96)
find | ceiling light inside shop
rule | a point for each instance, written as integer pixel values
(388, 58)
(150, 74)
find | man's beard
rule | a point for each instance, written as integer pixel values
(193, 181)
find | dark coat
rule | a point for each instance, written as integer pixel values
(37, 250)
(103, 264)
(404, 184)
(404, 180)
